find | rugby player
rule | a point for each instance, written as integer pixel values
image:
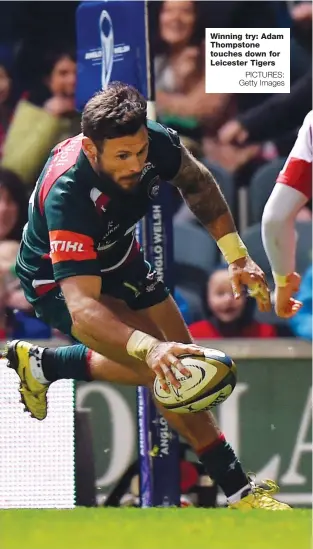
(293, 189)
(83, 271)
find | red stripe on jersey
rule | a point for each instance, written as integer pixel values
(133, 253)
(64, 157)
(44, 288)
(297, 173)
(101, 203)
(99, 199)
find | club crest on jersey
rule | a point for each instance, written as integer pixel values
(99, 199)
(152, 180)
(154, 187)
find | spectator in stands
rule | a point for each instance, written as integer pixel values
(14, 295)
(13, 206)
(301, 14)
(180, 71)
(55, 91)
(17, 319)
(227, 316)
(180, 85)
(49, 110)
(231, 157)
(301, 323)
(8, 93)
(181, 100)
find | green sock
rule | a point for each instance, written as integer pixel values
(70, 362)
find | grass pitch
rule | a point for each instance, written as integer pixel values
(104, 528)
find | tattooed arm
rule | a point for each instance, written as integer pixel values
(205, 199)
(203, 196)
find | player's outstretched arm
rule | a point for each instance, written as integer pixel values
(278, 229)
(292, 191)
(99, 328)
(205, 199)
(279, 241)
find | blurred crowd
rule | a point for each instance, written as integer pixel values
(243, 138)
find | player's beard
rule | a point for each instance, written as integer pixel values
(105, 176)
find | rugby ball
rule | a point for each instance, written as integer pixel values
(213, 379)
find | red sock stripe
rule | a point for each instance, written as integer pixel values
(88, 365)
(219, 440)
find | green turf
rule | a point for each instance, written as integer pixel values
(154, 529)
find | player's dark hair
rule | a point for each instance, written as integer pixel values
(117, 111)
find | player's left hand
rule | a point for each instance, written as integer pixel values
(285, 305)
(244, 272)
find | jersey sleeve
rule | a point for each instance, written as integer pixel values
(71, 227)
(165, 150)
(297, 171)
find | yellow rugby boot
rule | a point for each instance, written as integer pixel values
(25, 359)
(260, 497)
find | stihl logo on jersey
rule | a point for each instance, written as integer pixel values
(71, 246)
(66, 246)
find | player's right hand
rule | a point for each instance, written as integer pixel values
(245, 272)
(285, 304)
(163, 359)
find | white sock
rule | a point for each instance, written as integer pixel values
(35, 360)
(238, 495)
